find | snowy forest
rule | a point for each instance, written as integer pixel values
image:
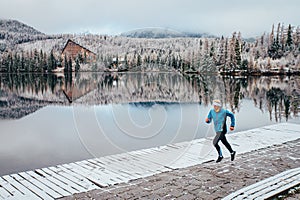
(24, 49)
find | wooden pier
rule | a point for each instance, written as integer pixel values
(67, 179)
(268, 188)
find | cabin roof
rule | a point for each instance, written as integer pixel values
(71, 41)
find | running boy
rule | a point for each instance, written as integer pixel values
(219, 115)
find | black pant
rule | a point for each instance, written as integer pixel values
(221, 136)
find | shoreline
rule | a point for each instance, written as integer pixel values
(109, 171)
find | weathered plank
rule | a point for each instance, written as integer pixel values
(130, 165)
(34, 189)
(40, 185)
(269, 186)
(100, 175)
(86, 182)
(4, 194)
(21, 189)
(276, 186)
(126, 176)
(94, 178)
(8, 187)
(51, 185)
(114, 176)
(279, 190)
(57, 181)
(116, 165)
(72, 176)
(134, 173)
(107, 175)
(75, 187)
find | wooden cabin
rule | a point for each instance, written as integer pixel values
(72, 50)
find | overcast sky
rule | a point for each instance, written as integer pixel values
(218, 17)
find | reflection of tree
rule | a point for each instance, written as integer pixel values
(279, 94)
(287, 105)
(22, 94)
(234, 89)
(23, 82)
(142, 87)
(229, 89)
(283, 97)
(279, 101)
(111, 80)
(201, 84)
(274, 96)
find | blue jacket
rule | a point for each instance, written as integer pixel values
(219, 118)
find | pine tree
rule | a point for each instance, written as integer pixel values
(31, 63)
(238, 54)
(66, 64)
(282, 40)
(212, 53)
(289, 40)
(278, 43)
(16, 61)
(232, 52)
(5, 63)
(271, 37)
(297, 41)
(251, 64)
(84, 57)
(221, 53)
(275, 51)
(51, 62)
(77, 65)
(45, 62)
(226, 55)
(22, 63)
(139, 60)
(80, 58)
(70, 65)
(262, 48)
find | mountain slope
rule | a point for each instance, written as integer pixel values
(160, 33)
(13, 32)
(14, 26)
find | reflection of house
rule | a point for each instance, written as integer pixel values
(73, 92)
(75, 87)
(73, 50)
(118, 64)
(279, 70)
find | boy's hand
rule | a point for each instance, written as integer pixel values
(231, 128)
(207, 120)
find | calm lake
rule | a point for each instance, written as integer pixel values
(53, 119)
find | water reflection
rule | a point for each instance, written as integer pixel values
(22, 94)
(274, 94)
(97, 114)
